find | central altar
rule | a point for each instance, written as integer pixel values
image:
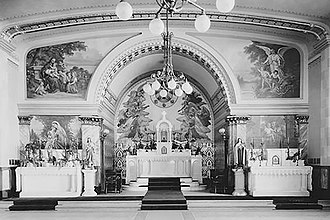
(164, 161)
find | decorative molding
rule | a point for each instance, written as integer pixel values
(301, 119)
(91, 120)
(233, 119)
(314, 29)
(209, 63)
(319, 46)
(281, 108)
(24, 120)
(53, 108)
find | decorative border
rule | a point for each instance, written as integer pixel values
(316, 30)
(209, 63)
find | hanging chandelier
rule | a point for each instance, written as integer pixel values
(167, 81)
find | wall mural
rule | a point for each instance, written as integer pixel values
(263, 70)
(271, 131)
(195, 118)
(58, 136)
(64, 70)
(277, 68)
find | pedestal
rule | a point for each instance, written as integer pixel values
(239, 182)
(89, 182)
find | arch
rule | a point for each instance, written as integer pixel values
(214, 64)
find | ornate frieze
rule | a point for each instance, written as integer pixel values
(89, 120)
(301, 119)
(237, 119)
(314, 29)
(24, 120)
(145, 48)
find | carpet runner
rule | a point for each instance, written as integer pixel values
(164, 194)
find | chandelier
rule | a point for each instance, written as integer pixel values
(167, 81)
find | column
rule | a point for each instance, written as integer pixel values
(302, 133)
(91, 130)
(24, 131)
(237, 129)
(325, 106)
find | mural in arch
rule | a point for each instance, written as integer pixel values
(138, 114)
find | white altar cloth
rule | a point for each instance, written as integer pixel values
(49, 181)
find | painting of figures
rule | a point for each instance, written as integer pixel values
(264, 70)
(277, 68)
(62, 132)
(271, 131)
(63, 71)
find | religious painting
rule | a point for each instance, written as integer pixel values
(63, 71)
(263, 70)
(64, 132)
(195, 118)
(271, 131)
(276, 68)
(133, 120)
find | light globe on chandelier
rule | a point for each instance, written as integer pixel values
(167, 80)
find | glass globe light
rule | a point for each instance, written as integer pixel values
(171, 84)
(178, 92)
(124, 10)
(186, 87)
(225, 5)
(189, 89)
(156, 26)
(147, 88)
(163, 93)
(202, 23)
(151, 92)
(155, 85)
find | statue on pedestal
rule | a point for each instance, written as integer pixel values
(240, 153)
(240, 163)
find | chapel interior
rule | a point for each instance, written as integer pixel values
(105, 97)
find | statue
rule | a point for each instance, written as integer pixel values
(90, 150)
(240, 153)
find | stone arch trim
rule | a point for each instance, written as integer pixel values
(186, 49)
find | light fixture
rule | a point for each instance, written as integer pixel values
(167, 81)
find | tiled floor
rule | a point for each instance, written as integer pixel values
(198, 210)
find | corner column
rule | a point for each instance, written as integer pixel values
(325, 105)
(237, 129)
(24, 131)
(302, 133)
(91, 130)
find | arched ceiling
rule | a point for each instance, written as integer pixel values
(16, 9)
(155, 62)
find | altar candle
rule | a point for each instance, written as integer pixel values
(252, 143)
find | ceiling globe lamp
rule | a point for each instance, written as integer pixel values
(167, 80)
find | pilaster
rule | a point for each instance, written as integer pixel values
(237, 129)
(91, 129)
(325, 106)
(302, 133)
(24, 130)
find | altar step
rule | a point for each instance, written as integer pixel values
(164, 194)
(186, 183)
(33, 204)
(297, 203)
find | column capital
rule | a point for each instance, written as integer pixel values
(234, 119)
(301, 119)
(24, 120)
(91, 120)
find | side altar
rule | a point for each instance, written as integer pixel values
(164, 161)
(278, 172)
